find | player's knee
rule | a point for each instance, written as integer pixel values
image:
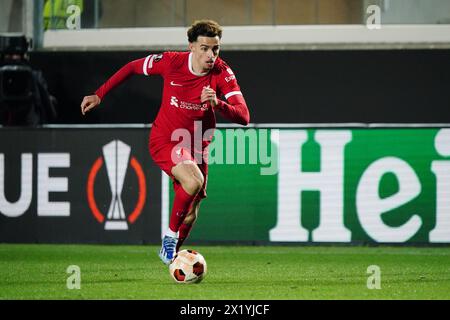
(193, 184)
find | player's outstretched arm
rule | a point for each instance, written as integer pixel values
(133, 67)
(89, 102)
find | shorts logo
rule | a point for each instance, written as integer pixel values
(116, 155)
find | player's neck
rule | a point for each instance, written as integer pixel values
(195, 68)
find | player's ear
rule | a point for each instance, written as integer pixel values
(191, 46)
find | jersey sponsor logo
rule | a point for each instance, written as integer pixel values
(172, 83)
(187, 105)
(116, 157)
(230, 71)
(174, 101)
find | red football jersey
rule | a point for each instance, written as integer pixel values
(181, 106)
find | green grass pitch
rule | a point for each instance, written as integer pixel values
(234, 272)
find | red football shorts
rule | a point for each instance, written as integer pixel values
(169, 155)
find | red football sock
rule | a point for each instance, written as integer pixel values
(181, 206)
(183, 233)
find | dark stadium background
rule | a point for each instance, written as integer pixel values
(309, 86)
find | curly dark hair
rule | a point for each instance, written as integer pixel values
(205, 28)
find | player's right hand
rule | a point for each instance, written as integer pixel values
(89, 102)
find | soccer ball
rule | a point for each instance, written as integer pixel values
(188, 266)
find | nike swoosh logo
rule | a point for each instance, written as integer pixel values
(175, 84)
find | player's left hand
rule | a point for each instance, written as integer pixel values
(89, 102)
(209, 94)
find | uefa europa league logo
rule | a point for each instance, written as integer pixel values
(116, 155)
(117, 158)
